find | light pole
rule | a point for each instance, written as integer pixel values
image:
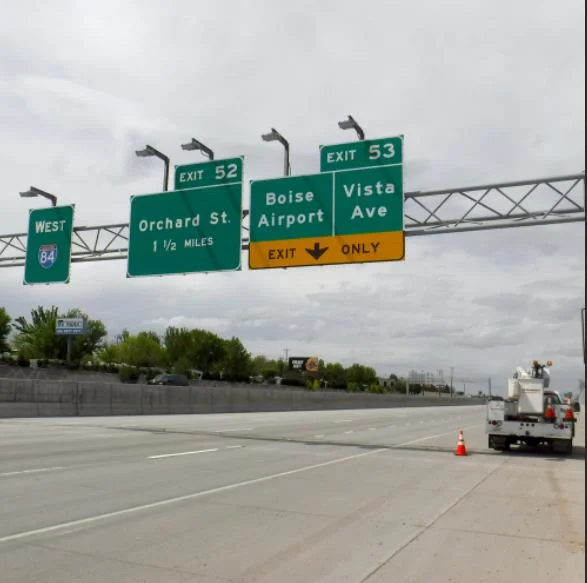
(275, 136)
(32, 192)
(148, 151)
(452, 370)
(350, 124)
(197, 145)
(583, 333)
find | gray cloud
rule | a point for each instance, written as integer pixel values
(482, 91)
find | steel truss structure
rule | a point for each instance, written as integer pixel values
(544, 201)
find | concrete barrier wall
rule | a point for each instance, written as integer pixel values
(53, 398)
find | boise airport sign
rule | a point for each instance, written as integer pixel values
(352, 212)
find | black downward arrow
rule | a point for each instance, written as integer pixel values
(317, 252)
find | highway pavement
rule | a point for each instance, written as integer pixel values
(360, 496)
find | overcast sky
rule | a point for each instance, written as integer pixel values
(482, 90)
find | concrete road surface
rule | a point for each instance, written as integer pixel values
(373, 496)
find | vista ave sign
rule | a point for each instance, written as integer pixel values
(189, 230)
(344, 216)
(48, 249)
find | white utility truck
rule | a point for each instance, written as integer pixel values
(532, 414)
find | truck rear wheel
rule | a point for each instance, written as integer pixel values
(564, 446)
(498, 443)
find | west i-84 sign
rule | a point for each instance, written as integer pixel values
(48, 250)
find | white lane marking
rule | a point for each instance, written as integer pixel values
(35, 471)
(134, 509)
(347, 432)
(343, 420)
(319, 436)
(234, 446)
(372, 429)
(164, 455)
(433, 436)
(231, 430)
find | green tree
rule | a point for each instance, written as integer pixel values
(236, 364)
(37, 338)
(335, 375)
(4, 330)
(108, 353)
(179, 344)
(124, 335)
(362, 375)
(267, 368)
(142, 351)
(208, 350)
(260, 363)
(150, 334)
(282, 367)
(183, 366)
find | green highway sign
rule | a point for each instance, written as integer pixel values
(210, 173)
(292, 207)
(349, 216)
(362, 154)
(48, 249)
(185, 231)
(369, 200)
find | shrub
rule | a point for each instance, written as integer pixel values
(211, 376)
(23, 361)
(313, 385)
(293, 382)
(183, 366)
(237, 379)
(352, 387)
(337, 385)
(128, 374)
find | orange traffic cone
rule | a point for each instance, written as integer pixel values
(461, 448)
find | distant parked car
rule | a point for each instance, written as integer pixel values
(167, 379)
